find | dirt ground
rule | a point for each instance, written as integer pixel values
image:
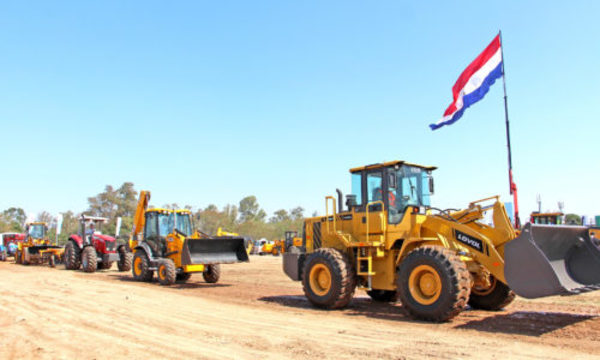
(256, 312)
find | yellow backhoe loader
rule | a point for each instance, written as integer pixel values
(392, 243)
(165, 241)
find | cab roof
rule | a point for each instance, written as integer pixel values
(389, 164)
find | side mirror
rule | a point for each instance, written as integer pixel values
(431, 185)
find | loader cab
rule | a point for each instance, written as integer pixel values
(36, 230)
(159, 223)
(392, 187)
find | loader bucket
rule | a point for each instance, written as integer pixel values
(550, 260)
(214, 250)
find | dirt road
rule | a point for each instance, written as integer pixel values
(255, 312)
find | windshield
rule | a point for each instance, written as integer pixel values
(37, 231)
(411, 189)
(183, 223)
(165, 224)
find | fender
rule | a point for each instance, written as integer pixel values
(144, 247)
(77, 239)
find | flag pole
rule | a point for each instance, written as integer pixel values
(511, 183)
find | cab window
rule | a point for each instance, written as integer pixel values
(357, 187)
(374, 184)
(150, 230)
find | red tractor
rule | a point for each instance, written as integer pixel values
(92, 250)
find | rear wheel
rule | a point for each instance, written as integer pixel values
(433, 283)
(212, 273)
(72, 259)
(105, 265)
(124, 263)
(383, 295)
(494, 297)
(166, 272)
(89, 260)
(183, 277)
(140, 266)
(328, 279)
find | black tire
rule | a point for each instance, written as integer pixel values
(72, 256)
(166, 272)
(451, 288)
(212, 273)
(183, 277)
(18, 257)
(105, 265)
(339, 279)
(383, 295)
(495, 298)
(89, 259)
(125, 257)
(140, 267)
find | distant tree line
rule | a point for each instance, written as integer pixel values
(246, 218)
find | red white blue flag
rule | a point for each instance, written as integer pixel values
(474, 82)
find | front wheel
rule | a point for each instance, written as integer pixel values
(166, 272)
(89, 259)
(494, 297)
(140, 267)
(125, 257)
(212, 273)
(328, 279)
(433, 283)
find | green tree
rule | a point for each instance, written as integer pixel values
(13, 219)
(113, 203)
(250, 210)
(572, 219)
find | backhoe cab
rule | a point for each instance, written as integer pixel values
(164, 240)
(389, 241)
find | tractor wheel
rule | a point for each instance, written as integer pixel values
(433, 283)
(183, 277)
(105, 265)
(328, 279)
(72, 256)
(275, 252)
(124, 263)
(496, 297)
(383, 295)
(212, 273)
(166, 272)
(140, 266)
(18, 257)
(51, 261)
(89, 259)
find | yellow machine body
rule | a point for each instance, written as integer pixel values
(169, 234)
(389, 225)
(37, 248)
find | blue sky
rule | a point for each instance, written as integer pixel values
(207, 102)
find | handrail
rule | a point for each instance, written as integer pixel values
(367, 209)
(332, 198)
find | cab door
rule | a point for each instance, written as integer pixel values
(371, 212)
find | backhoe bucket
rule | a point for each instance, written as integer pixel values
(550, 260)
(214, 250)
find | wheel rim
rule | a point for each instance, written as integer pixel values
(162, 273)
(320, 279)
(137, 265)
(483, 291)
(425, 284)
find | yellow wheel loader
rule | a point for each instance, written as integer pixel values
(165, 241)
(392, 243)
(36, 248)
